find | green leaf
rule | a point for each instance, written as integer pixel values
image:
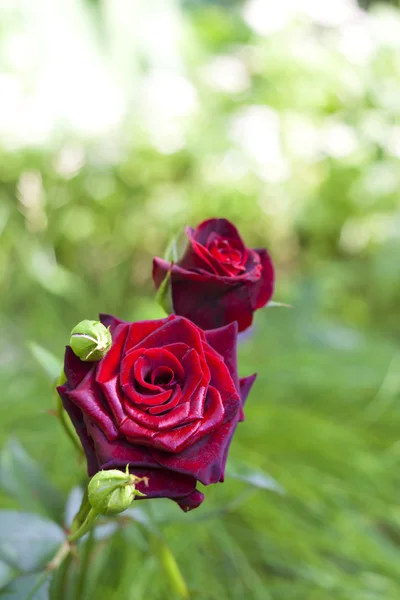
(272, 304)
(50, 364)
(28, 587)
(176, 247)
(164, 294)
(254, 477)
(7, 573)
(22, 478)
(28, 541)
(162, 551)
(172, 255)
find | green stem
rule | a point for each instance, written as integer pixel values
(82, 513)
(59, 556)
(83, 567)
(63, 576)
(85, 527)
(62, 418)
(170, 567)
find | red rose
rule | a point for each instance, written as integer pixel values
(166, 400)
(218, 280)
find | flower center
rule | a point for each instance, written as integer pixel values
(226, 254)
(162, 376)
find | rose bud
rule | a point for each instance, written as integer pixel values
(112, 492)
(90, 340)
(165, 400)
(218, 279)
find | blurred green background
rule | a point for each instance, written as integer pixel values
(123, 121)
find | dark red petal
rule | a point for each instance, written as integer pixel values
(205, 459)
(177, 416)
(265, 287)
(160, 270)
(115, 398)
(89, 398)
(175, 329)
(224, 341)
(107, 373)
(196, 382)
(246, 384)
(75, 369)
(197, 257)
(209, 301)
(221, 227)
(109, 366)
(213, 413)
(158, 357)
(75, 414)
(118, 453)
(171, 441)
(165, 484)
(140, 331)
(222, 381)
(191, 501)
(167, 406)
(111, 322)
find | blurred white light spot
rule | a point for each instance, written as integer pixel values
(22, 52)
(256, 129)
(339, 140)
(356, 42)
(169, 93)
(31, 198)
(393, 142)
(278, 172)
(168, 99)
(167, 138)
(331, 14)
(302, 137)
(267, 16)
(227, 74)
(69, 161)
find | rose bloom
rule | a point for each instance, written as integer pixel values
(218, 280)
(165, 399)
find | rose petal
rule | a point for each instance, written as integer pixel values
(177, 416)
(118, 453)
(221, 227)
(224, 341)
(170, 440)
(109, 366)
(204, 460)
(213, 414)
(75, 414)
(165, 484)
(114, 398)
(222, 381)
(196, 382)
(191, 501)
(246, 384)
(75, 369)
(140, 330)
(89, 398)
(198, 257)
(175, 329)
(111, 322)
(265, 288)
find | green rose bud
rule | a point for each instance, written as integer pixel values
(90, 340)
(112, 492)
